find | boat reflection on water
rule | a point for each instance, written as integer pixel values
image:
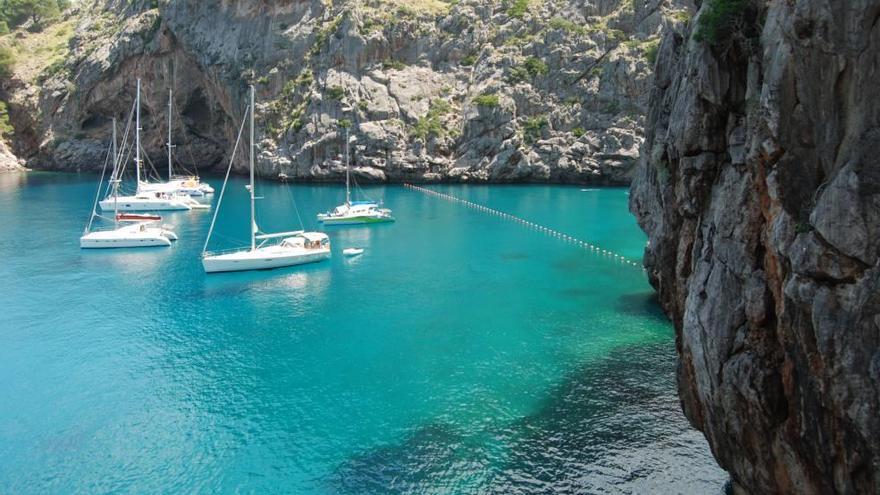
(129, 262)
(293, 292)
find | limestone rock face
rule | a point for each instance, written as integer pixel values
(465, 91)
(8, 161)
(759, 189)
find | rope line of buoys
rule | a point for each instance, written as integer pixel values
(586, 245)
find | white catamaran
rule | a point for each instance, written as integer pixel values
(139, 234)
(189, 185)
(144, 199)
(295, 248)
(354, 212)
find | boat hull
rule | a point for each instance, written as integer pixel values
(358, 220)
(93, 241)
(143, 205)
(237, 262)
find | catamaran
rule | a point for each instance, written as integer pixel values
(354, 212)
(145, 199)
(295, 248)
(189, 185)
(139, 234)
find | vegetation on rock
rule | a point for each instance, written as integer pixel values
(720, 20)
(15, 13)
(430, 124)
(486, 100)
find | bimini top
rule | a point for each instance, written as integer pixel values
(363, 203)
(314, 236)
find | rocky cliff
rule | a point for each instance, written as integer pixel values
(512, 90)
(760, 193)
(8, 161)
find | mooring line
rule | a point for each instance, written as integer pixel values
(586, 245)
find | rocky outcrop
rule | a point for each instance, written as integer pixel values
(473, 90)
(760, 193)
(8, 161)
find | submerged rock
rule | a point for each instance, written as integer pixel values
(760, 193)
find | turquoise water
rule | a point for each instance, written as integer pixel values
(460, 354)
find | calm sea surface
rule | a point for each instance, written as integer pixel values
(462, 353)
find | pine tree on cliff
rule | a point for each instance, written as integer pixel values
(16, 12)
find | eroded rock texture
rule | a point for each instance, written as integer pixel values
(476, 90)
(760, 193)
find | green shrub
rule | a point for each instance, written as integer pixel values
(41, 12)
(305, 77)
(6, 129)
(536, 67)
(263, 80)
(363, 105)
(719, 20)
(335, 92)
(323, 34)
(578, 132)
(430, 124)
(533, 127)
(344, 124)
(520, 40)
(289, 89)
(566, 25)
(531, 68)
(517, 75)
(615, 34)
(7, 60)
(296, 124)
(487, 100)
(612, 107)
(469, 60)
(518, 8)
(650, 51)
(681, 16)
(390, 63)
(56, 67)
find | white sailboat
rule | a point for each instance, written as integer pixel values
(139, 234)
(188, 185)
(354, 212)
(143, 199)
(295, 248)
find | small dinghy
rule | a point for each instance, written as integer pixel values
(352, 251)
(137, 217)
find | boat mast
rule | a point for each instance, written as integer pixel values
(137, 133)
(347, 180)
(115, 180)
(168, 144)
(253, 212)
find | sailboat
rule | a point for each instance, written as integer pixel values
(144, 199)
(354, 212)
(189, 185)
(295, 248)
(139, 234)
